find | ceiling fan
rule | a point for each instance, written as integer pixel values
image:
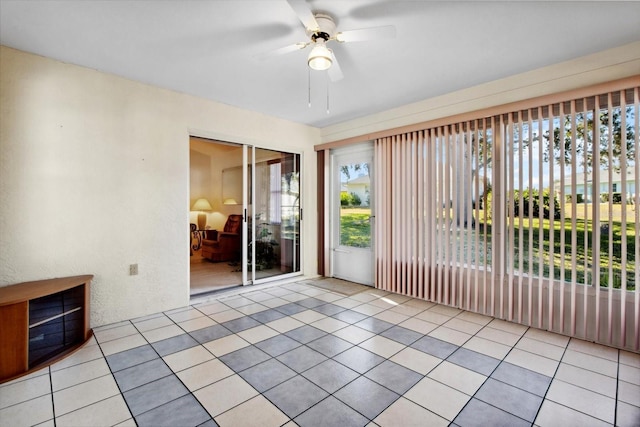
(321, 29)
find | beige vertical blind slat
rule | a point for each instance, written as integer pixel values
(623, 218)
(551, 282)
(609, 336)
(595, 213)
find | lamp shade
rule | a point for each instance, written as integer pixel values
(201, 205)
(319, 57)
(230, 201)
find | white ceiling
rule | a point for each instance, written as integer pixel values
(208, 48)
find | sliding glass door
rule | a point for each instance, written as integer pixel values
(272, 214)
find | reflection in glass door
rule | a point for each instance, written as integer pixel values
(273, 214)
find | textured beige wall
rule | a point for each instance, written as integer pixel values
(94, 176)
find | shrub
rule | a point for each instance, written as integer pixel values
(531, 203)
(345, 199)
(355, 200)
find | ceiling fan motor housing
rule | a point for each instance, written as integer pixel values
(326, 28)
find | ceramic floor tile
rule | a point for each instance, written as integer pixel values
(29, 413)
(329, 309)
(274, 302)
(587, 379)
(153, 323)
(435, 347)
(210, 333)
(533, 362)
(630, 359)
(510, 399)
(329, 324)
(480, 319)
(450, 335)
(594, 349)
(197, 323)
(184, 314)
(285, 324)
(474, 361)
(353, 334)
(187, 358)
(359, 359)
(433, 317)
(593, 363)
(111, 411)
(308, 316)
(257, 334)
(310, 302)
(245, 414)
(402, 335)
(131, 357)
(511, 327)
(141, 374)
(438, 398)
(301, 358)
(406, 309)
(154, 394)
(22, 391)
(131, 423)
(278, 345)
(522, 378)
(204, 374)
(393, 376)
(330, 296)
(418, 325)
(162, 333)
(79, 373)
(251, 308)
(374, 325)
(552, 414)
(330, 412)
(225, 345)
(226, 316)
(291, 309)
(83, 355)
(183, 411)
(462, 379)
(225, 394)
(589, 402)
(404, 412)
(267, 316)
(549, 351)
(627, 415)
(295, 396)
(349, 316)
(548, 337)
(461, 325)
(629, 374)
(237, 301)
(382, 346)
(498, 336)
(211, 308)
(629, 393)
(122, 344)
(241, 324)
(366, 396)
(305, 334)
(330, 375)
(114, 333)
(84, 394)
(174, 344)
(489, 348)
(479, 414)
(244, 358)
(267, 375)
(416, 360)
(329, 345)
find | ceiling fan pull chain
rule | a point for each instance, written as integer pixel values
(309, 86)
(327, 95)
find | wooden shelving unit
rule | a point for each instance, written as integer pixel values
(42, 321)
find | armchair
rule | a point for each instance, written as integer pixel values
(225, 245)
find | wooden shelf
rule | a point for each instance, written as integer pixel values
(42, 321)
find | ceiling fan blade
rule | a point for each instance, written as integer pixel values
(281, 51)
(335, 73)
(301, 8)
(365, 34)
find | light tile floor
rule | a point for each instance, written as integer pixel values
(298, 354)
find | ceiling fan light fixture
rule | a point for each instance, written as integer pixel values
(320, 57)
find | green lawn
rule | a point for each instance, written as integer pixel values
(355, 232)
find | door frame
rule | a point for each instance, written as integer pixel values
(358, 153)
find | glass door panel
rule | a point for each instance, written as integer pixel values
(273, 243)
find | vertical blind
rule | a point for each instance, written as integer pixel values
(531, 216)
